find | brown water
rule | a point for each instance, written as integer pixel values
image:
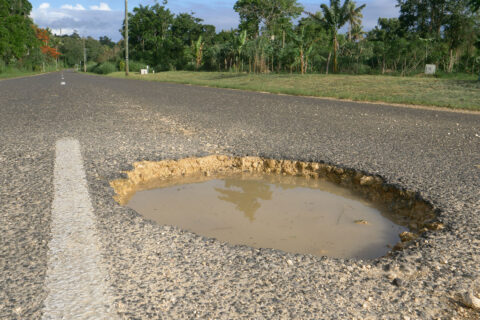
(293, 214)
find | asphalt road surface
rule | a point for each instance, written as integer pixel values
(60, 145)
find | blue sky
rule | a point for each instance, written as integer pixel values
(104, 17)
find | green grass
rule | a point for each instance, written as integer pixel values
(17, 73)
(459, 93)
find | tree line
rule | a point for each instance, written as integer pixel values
(272, 36)
(279, 36)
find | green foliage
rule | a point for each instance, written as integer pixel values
(135, 66)
(106, 68)
(474, 5)
(273, 15)
(17, 36)
(102, 68)
(271, 37)
(106, 41)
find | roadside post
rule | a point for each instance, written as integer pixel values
(126, 37)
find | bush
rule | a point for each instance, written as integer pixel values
(91, 67)
(103, 68)
(361, 68)
(135, 66)
(121, 65)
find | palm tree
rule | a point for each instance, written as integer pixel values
(354, 17)
(334, 17)
(357, 32)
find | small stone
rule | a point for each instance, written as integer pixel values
(407, 236)
(290, 262)
(392, 276)
(364, 222)
(435, 226)
(398, 282)
(472, 300)
(121, 308)
(366, 181)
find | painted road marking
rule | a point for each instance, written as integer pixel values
(75, 279)
(62, 83)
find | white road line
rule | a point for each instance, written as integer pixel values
(75, 281)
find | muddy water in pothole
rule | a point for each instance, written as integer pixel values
(290, 213)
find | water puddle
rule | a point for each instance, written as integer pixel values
(291, 213)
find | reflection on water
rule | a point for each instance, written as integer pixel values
(293, 214)
(246, 198)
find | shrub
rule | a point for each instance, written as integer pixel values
(121, 65)
(91, 67)
(135, 66)
(104, 68)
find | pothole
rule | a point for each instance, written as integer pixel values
(300, 207)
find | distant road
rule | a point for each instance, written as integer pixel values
(68, 250)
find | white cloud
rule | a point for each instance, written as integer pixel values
(60, 31)
(102, 7)
(95, 22)
(47, 17)
(70, 7)
(99, 20)
(44, 5)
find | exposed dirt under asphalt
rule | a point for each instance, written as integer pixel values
(163, 272)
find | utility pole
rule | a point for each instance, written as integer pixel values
(126, 37)
(84, 56)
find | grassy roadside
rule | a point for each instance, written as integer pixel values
(18, 74)
(454, 93)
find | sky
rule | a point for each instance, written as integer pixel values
(104, 17)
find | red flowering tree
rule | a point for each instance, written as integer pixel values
(44, 37)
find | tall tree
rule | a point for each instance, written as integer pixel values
(148, 30)
(386, 36)
(250, 16)
(334, 17)
(425, 17)
(354, 17)
(457, 29)
(17, 37)
(106, 41)
(272, 15)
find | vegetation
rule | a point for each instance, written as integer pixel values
(272, 36)
(24, 48)
(452, 91)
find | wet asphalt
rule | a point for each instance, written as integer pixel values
(164, 272)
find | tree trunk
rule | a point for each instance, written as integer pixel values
(453, 59)
(383, 64)
(302, 60)
(328, 62)
(335, 43)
